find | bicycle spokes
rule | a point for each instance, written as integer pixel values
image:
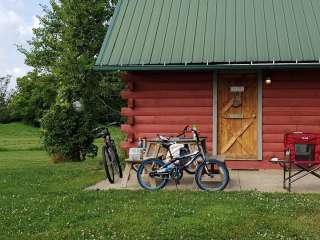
(148, 175)
(212, 176)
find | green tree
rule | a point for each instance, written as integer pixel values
(109, 98)
(37, 91)
(6, 114)
(63, 53)
(66, 134)
(45, 46)
(63, 49)
(84, 27)
(4, 83)
(36, 94)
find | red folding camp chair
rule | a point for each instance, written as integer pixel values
(302, 151)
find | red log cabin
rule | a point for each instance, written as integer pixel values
(245, 72)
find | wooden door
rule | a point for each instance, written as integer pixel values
(237, 116)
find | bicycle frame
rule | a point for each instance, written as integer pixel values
(108, 141)
(194, 157)
(172, 168)
(110, 155)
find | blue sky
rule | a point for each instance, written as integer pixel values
(17, 18)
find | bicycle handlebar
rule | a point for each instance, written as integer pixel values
(112, 124)
(102, 130)
(187, 129)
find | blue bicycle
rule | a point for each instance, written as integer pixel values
(210, 175)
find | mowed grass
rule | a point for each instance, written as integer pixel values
(17, 137)
(42, 200)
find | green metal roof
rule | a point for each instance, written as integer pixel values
(146, 34)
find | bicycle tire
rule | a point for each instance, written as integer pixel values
(143, 184)
(106, 160)
(115, 158)
(214, 165)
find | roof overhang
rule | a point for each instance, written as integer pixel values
(206, 67)
(214, 34)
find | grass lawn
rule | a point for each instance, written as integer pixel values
(41, 200)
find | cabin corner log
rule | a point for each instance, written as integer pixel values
(126, 77)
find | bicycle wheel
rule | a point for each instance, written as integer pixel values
(147, 179)
(212, 175)
(107, 164)
(115, 160)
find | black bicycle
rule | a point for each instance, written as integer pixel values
(110, 158)
(210, 175)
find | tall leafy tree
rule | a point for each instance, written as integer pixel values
(63, 52)
(36, 93)
(6, 114)
(81, 38)
(45, 46)
(83, 30)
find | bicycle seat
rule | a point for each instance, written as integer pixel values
(164, 139)
(165, 142)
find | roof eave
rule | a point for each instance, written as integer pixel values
(202, 67)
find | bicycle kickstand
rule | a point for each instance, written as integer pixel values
(177, 179)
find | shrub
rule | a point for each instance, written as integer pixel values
(67, 134)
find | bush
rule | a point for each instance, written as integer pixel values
(67, 134)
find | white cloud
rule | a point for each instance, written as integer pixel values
(25, 30)
(35, 21)
(17, 19)
(19, 4)
(15, 73)
(13, 24)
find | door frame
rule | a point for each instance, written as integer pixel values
(215, 112)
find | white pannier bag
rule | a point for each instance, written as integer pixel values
(175, 151)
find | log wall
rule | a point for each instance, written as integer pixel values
(291, 103)
(165, 102)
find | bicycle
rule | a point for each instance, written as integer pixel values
(110, 158)
(210, 175)
(191, 169)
